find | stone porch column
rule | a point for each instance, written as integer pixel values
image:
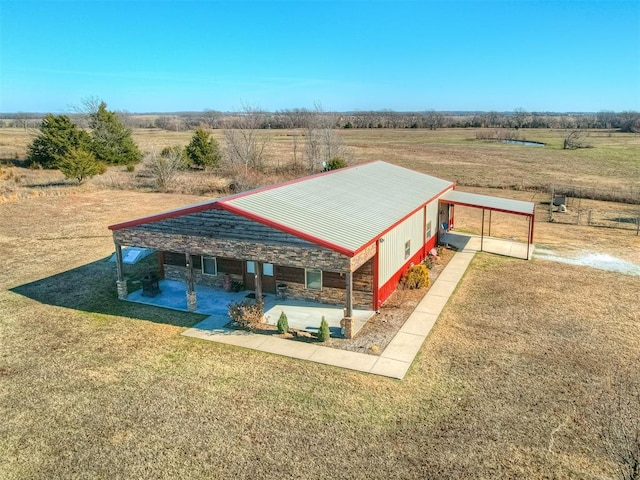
(121, 282)
(347, 321)
(258, 282)
(192, 302)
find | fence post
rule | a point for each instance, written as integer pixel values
(551, 204)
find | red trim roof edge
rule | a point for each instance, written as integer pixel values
(200, 207)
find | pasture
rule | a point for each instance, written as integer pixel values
(517, 380)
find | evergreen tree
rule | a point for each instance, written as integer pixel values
(111, 139)
(58, 135)
(202, 151)
(80, 164)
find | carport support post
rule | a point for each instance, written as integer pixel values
(192, 302)
(121, 282)
(490, 222)
(482, 232)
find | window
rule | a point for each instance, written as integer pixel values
(209, 266)
(428, 234)
(267, 269)
(313, 279)
(251, 267)
(407, 249)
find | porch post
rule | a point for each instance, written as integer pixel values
(121, 282)
(258, 282)
(528, 239)
(490, 222)
(482, 232)
(192, 302)
(349, 294)
(347, 321)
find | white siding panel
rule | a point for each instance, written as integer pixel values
(432, 216)
(392, 252)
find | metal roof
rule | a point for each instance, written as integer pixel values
(499, 204)
(346, 208)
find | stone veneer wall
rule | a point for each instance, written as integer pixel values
(174, 272)
(301, 256)
(332, 296)
(297, 291)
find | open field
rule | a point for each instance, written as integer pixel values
(454, 154)
(511, 383)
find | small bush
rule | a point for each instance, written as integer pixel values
(429, 262)
(283, 323)
(323, 332)
(246, 314)
(131, 168)
(416, 277)
(335, 163)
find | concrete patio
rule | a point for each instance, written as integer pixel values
(301, 315)
(498, 246)
(393, 362)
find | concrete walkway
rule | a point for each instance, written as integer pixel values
(393, 362)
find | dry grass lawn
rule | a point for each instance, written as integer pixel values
(508, 384)
(455, 154)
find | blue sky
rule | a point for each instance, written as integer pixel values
(161, 56)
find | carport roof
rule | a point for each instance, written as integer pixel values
(498, 204)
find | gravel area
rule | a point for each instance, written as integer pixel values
(381, 328)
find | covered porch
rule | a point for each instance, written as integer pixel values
(301, 315)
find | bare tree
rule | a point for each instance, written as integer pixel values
(433, 119)
(88, 106)
(245, 144)
(322, 141)
(22, 120)
(164, 167)
(211, 117)
(521, 118)
(574, 140)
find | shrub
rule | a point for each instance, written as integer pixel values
(131, 168)
(283, 323)
(429, 262)
(323, 331)
(246, 314)
(416, 277)
(335, 163)
(80, 165)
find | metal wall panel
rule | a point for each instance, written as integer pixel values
(432, 216)
(392, 245)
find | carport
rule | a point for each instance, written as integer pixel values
(493, 204)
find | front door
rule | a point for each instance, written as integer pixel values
(268, 277)
(444, 217)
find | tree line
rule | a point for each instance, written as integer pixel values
(301, 118)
